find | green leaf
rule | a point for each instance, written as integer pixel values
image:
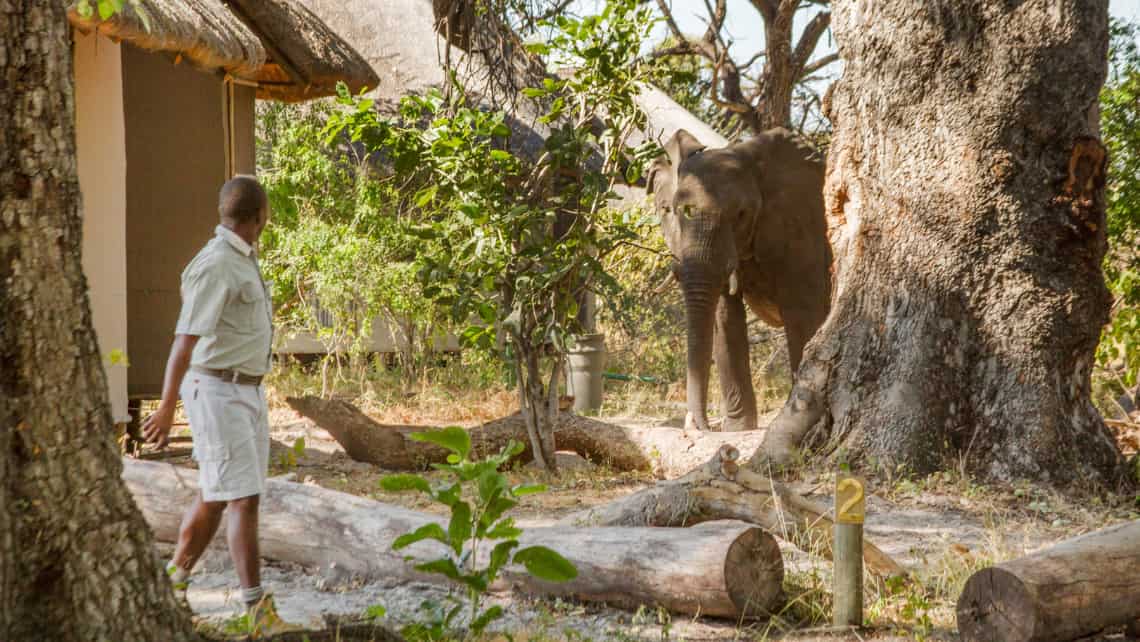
(84, 9)
(491, 485)
(106, 9)
(453, 438)
(449, 496)
(443, 566)
(496, 509)
(427, 531)
(299, 446)
(459, 528)
(477, 582)
(375, 612)
(546, 564)
(404, 482)
(528, 489)
(426, 195)
(487, 313)
(504, 529)
(485, 618)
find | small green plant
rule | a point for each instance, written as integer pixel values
(477, 520)
(288, 459)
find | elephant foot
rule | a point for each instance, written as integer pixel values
(693, 425)
(738, 424)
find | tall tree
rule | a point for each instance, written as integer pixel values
(76, 558)
(966, 210)
(755, 96)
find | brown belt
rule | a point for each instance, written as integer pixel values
(232, 376)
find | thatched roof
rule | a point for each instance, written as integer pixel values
(282, 46)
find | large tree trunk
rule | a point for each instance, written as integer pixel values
(725, 569)
(663, 451)
(964, 196)
(1074, 589)
(76, 557)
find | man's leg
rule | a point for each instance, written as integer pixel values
(241, 534)
(199, 524)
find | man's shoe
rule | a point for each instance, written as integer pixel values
(180, 587)
(264, 621)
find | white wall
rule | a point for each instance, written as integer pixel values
(101, 150)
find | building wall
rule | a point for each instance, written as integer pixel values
(176, 133)
(102, 164)
(245, 122)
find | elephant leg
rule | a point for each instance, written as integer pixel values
(730, 350)
(798, 330)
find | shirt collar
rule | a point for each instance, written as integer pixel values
(233, 239)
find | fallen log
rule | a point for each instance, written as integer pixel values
(1074, 589)
(728, 569)
(661, 450)
(720, 489)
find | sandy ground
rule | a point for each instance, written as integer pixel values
(917, 532)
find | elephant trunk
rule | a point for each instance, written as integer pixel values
(701, 285)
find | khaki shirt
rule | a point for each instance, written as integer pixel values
(226, 303)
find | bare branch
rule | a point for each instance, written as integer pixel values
(558, 8)
(753, 59)
(716, 20)
(670, 20)
(813, 67)
(733, 106)
(808, 41)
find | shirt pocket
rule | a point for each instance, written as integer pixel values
(250, 311)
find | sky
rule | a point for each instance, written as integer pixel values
(744, 26)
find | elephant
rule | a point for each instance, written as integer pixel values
(745, 225)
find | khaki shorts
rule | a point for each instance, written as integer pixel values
(230, 426)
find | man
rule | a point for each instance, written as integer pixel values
(221, 352)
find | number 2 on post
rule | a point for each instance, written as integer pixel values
(849, 500)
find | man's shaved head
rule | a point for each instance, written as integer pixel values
(241, 200)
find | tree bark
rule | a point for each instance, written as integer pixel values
(76, 558)
(965, 201)
(1074, 589)
(725, 569)
(666, 452)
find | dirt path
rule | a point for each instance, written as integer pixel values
(930, 532)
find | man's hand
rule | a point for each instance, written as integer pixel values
(156, 428)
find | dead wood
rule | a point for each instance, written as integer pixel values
(1074, 589)
(720, 489)
(664, 451)
(728, 569)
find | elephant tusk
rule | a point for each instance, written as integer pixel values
(733, 284)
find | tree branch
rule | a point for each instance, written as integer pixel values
(667, 13)
(813, 67)
(808, 41)
(767, 9)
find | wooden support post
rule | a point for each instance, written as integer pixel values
(848, 552)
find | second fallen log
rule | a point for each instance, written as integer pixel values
(727, 568)
(1074, 589)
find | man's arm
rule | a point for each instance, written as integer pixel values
(156, 428)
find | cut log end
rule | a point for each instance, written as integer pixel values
(754, 573)
(996, 606)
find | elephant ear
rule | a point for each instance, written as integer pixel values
(681, 146)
